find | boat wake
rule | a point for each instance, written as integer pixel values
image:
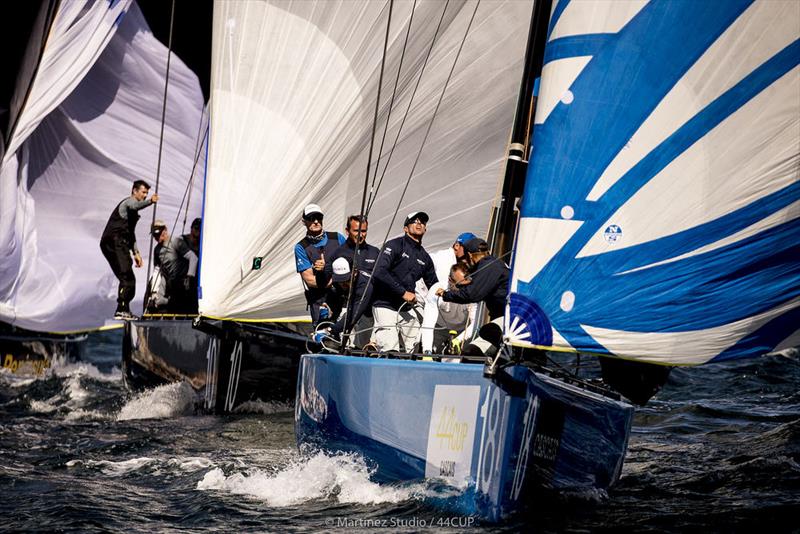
(155, 466)
(163, 402)
(343, 478)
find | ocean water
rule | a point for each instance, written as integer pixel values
(718, 450)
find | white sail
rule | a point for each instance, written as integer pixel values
(89, 128)
(294, 87)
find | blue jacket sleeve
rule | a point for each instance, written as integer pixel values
(301, 259)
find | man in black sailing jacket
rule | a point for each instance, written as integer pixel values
(310, 255)
(366, 257)
(119, 242)
(402, 262)
(489, 283)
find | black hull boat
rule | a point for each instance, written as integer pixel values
(227, 364)
(29, 353)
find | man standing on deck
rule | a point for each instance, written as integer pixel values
(402, 262)
(178, 265)
(365, 258)
(119, 242)
(310, 256)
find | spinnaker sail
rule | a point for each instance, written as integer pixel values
(88, 127)
(661, 214)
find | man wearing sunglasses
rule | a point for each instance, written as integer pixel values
(402, 262)
(310, 253)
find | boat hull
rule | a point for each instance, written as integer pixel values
(31, 354)
(226, 370)
(414, 420)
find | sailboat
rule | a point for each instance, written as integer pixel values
(659, 225)
(290, 125)
(84, 124)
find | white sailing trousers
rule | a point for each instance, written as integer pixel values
(391, 326)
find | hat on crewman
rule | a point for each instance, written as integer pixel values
(312, 209)
(475, 245)
(341, 270)
(158, 227)
(463, 238)
(414, 215)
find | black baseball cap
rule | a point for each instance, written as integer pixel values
(414, 215)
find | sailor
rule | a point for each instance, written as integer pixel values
(440, 318)
(310, 253)
(402, 262)
(178, 265)
(366, 256)
(193, 237)
(118, 242)
(458, 245)
(489, 284)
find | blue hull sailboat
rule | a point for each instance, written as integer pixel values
(658, 226)
(509, 438)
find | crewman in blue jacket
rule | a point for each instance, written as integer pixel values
(402, 262)
(489, 283)
(310, 253)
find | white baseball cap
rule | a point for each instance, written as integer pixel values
(311, 209)
(341, 270)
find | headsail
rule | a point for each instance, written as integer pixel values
(294, 86)
(88, 128)
(661, 216)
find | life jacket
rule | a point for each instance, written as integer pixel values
(317, 294)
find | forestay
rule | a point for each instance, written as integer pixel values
(661, 215)
(89, 127)
(294, 88)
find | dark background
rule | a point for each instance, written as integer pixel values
(191, 39)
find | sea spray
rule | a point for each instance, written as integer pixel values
(165, 401)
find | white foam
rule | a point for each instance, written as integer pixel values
(114, 468)
(154, 465)
(86, 369)
(343, 477)
(165, 401)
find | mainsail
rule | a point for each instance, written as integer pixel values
(661, 215)
(88, 127)
(294, 87)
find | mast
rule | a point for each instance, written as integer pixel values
(503, 223)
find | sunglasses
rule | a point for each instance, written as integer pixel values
(313, 218)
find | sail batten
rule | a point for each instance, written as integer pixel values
(676, 144)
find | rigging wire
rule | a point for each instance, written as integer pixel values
(369, 159)
(430, 123)
(410, 102)
(161, 136)
(391, 105)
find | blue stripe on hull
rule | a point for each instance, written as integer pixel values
(407, 417)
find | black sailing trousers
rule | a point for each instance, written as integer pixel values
(118, 256)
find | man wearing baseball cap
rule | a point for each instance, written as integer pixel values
(402, 262)
(489, 284)
(310, 253)
(177, 263)
(458, 245)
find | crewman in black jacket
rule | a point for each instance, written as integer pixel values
(366, 256)
(402, 262)
(489, 284)
(118, 243)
